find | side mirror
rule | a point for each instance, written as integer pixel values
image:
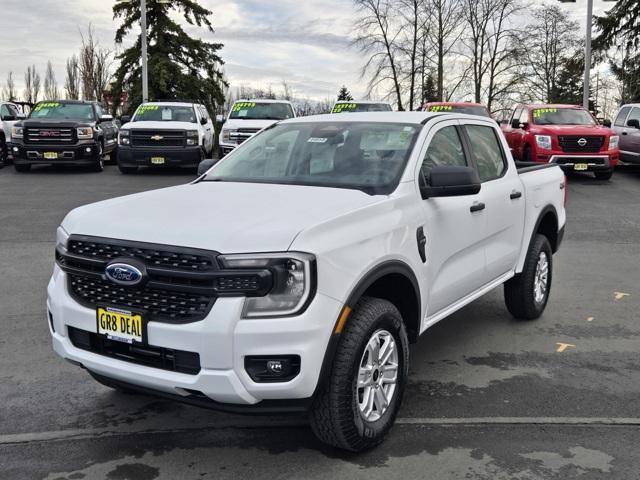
(205, 165)
(517, 124)
(8, 118)
(203, 120)
(106, 118)
(221, 119)
(451, 182)
(606, 122)
(633, 122)
(125, 119)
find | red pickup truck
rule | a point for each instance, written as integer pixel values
(564, 134)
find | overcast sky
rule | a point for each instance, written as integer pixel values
(305, 42)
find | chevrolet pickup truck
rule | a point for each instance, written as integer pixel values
(325, 246)
(64, 132)
(566, 135)
(248, 117)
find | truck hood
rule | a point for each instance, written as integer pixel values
(571, 130)
(160, 126)
(237, 123)
(225, 217)
(53, 122)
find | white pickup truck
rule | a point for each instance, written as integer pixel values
(9, 116)
(323, 247)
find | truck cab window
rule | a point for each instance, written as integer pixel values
(621, 119)
(487, 152)
(445, 149)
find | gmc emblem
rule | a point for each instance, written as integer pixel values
(49, 133)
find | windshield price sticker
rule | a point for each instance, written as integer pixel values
(147, 108)
(344, 106)
(46, 105)
(541, 111)
(243, 106)
(441, 108)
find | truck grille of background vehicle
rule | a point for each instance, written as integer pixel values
(569, 143)
(147, 355)
(243, 134)
(49, 136)
(164, 138)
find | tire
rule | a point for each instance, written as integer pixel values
(526, 154)
(523, 301)
(22, 168)
(4, 152)
(127, 170)
(336, 416)
(603, 174)
(106, 381)
(220, 153)
(98, 165)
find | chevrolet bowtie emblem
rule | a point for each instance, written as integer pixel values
(157, 138)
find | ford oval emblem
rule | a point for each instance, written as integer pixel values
(123, 274)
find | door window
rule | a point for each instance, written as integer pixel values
(516, 115)
(4, 111)
(445, 149)
(524, 116)
(635, 115)
(622, 117)
(487, 152)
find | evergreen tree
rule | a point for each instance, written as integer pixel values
(570, 82)
(429, 89)
(179, 66)
(344, 95)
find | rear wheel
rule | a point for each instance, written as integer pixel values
(22, 168)
(603, 174)
(527, 293)
(358, 404)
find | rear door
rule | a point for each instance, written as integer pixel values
(503, 196)
(629, 136)
(455, 234)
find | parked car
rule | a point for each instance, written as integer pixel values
(64, 132)
(165, 134)
(248, 117)
(327, 245)
(9, 116)
(458, 107)
(627, 127)
(567, 135)
(345, 106)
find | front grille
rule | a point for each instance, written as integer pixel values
(147, 355)
(571, 143)
(243, 134)
(49, 136)
(158, 138)
(179, 285)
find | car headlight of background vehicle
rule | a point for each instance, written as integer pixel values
(226, 135)
(124, 137)
(293, 276)
(614, 141)
(17, 132)
(61, 238)
(85, 133)
(192, 137)
(543, 141)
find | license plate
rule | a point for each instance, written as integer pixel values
(157, 160)
(120, 325)
(580, 166)
(50, 155)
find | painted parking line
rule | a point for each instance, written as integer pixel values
(563, 346)
(620, 295)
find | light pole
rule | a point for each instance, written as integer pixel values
(587, 50)
(143, 46)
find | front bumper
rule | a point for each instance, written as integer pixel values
(190, 156)
(222, 341)
(82, 153)
(593, 162)
(226, 149)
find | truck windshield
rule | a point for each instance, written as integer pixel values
(63, 111)
(468, 109)
(360, 155)
(164, 113)
(562, 116)
(361, 107)
(261, 111)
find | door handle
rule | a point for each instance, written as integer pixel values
(515, 194)
(625, 133)
(477, 206)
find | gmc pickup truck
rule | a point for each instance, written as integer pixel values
(64, 132)
(326, 245)
(566, 135)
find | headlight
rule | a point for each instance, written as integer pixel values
(192, 137)
(226, 135)
(61, 238)
(17, 132)
(614, 141)
(124, 137)
(293, 282)
(544, 141)
(85, 133)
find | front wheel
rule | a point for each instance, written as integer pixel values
(359, 402)
(527, 293)
(603, 174)
(98, 164)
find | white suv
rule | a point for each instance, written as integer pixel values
(248, 117)
(321, 248)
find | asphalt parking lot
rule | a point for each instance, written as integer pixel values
(489, 397)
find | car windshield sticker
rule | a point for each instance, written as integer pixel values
(441, 108)
(541, 111)
(46, 106)
(147, 108)
(166, 114)
(317, 140)
(243, 107)
(344, 107)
